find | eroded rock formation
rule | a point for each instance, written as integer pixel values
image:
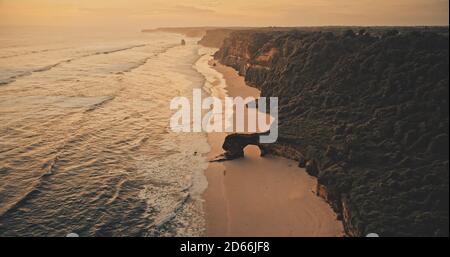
(234, 144)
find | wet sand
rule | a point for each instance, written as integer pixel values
(256, 196)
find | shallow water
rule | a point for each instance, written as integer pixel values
(85, 145)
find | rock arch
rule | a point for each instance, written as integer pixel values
(234, 144)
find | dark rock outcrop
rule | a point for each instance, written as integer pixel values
(311, 168)
(370, 113)
(302, 162)
(235, 143)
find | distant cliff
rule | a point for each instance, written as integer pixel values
(215, 37)
(210, 36)
(188, 32)
(365, 113)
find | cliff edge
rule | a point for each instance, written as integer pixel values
(367, 114)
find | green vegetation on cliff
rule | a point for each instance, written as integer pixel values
(371, 110)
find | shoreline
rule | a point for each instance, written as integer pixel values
(256, 196)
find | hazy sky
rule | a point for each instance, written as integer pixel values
(156, 13)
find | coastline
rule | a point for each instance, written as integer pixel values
(256, 196)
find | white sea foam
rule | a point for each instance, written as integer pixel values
(100, 123)
(214, 81)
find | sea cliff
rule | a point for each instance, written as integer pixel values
(366, 113)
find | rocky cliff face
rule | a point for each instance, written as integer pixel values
(214, 37)
(366, 114)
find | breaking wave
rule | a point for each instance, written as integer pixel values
(90, 152)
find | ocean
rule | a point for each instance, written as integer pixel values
(85, 143)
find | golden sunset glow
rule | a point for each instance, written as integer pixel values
(156, 13)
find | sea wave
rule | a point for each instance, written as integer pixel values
(33, 52)
(91, 152)
(12, 79)
(144, 61)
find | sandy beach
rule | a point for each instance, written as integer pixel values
(256, 196)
